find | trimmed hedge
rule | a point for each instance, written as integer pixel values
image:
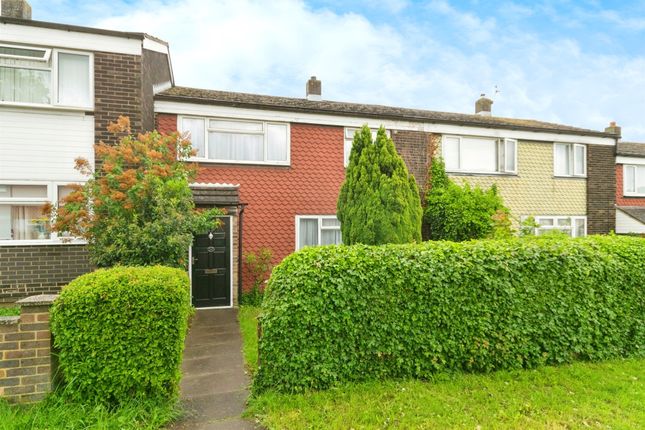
(120, 333)
(349, 313)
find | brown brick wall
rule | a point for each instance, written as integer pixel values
(117, 91)
(39, 269)
(601, 189)
(415, 149)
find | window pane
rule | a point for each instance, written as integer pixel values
(74, 79)
(195, 129)
(276, 142)
(579, 160)
(562, 160)
(308, 234)
(23, 223)
(330, 237)
(630, 179)
(23, 52)
(330, 222)
(349, 133)
(63, 191)
(24, 85)
(347, 150)
(564, 221)
(235, 147)
(478, 155)
(579, 225)
(640, 180)
(23, 191)
(544, 221)
(451, 152)
(510, 155)
(235, 125)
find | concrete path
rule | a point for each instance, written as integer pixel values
(214, 386)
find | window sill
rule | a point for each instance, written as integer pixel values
(464, 173)
(239, 163)
(46, 107)
(35, 242)
(635, 196)
(569, 177)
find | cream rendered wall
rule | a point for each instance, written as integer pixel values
(627, 224)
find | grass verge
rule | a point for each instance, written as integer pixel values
(56, 413)
(249, 326)
(578, 396)
(9, 311)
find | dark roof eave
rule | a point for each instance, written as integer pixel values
(413, 118)
(79, 29)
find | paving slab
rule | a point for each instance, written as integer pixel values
(214, 386)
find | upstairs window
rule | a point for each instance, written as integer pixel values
(479, 154)
(233, 141)
(349, 139)
(570, 159)
(633, 180)
(42, 76)
(317, 230)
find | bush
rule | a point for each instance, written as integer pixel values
(259, 268)
(460, 213)
(379, 201)
(349, 313)
(120, 333)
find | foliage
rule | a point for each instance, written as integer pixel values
(528, 226)
(607, 395)
(461, 213)
(379, 200)
(120, 333)
(259, 268)
(10, 311)
(136, 208)
(349, 313)
(248, 316)
(56, 412)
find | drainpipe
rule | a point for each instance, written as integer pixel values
(240, 218)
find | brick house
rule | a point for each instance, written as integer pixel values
(60, 85)
(630, 188)
(275, 164)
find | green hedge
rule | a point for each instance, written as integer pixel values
(120, 333)
(348, 313)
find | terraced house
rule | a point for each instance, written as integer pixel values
(630, 188)
(275, 164)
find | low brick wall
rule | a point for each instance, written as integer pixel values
(25, 351)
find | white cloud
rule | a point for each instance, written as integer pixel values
(273, 47)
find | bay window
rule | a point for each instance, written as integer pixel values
(349, 140)
(21, 211)
(633, 180)
(317, 230)
(233, 141)
(479, 154)
(43, 76)
(570, 159)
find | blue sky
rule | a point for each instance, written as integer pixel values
(575, 62)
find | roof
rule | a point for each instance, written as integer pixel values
(257, 101)
(79, 29)
(631, 149)
(636, 212)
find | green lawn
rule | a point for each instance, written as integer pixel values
(54, 413)
(249, 326)
(607, 395)
(9, 311)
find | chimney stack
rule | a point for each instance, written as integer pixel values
(314, 89)
(483, 106)
(15, 9)
(614, 129)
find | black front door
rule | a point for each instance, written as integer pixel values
(211, 267)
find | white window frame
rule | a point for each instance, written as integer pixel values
(52, 67)
(501, 165)
(635, 167)
(556, 218)
(264, 132)
(45, 58)
(319, 218)
(572, 160)
(348, 141)
(52, 197)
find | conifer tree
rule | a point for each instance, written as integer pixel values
(379, 201)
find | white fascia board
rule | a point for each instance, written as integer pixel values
(153, 45)
(196, 109)
(630, 160)
(24, 34)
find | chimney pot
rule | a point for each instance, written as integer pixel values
(314, 89)
(614, 129)
(483, 106)
(15, 9)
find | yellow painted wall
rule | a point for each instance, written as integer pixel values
(534, 190)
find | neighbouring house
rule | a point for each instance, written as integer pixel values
(60, 85)
(630, 188)
(275, 164)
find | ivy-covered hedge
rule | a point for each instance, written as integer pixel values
(348, 313)
(120, 333)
